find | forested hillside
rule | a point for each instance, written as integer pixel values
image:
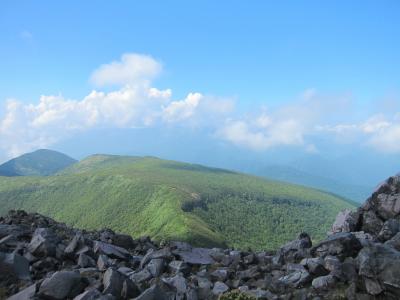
(173, 200)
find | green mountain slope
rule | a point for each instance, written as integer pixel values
(173, 200)
(41, 162)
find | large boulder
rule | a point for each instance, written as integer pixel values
(13, 265)
(62, 285)
(43, 243)
(111, 250)
(379, 266)
(342, 245)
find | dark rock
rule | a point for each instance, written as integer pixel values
(371, 223)
(176, 266)
(346, 221)
(163, 253)
(153, 293)
(43, 243)
(294, 251)
(389, 229)
(156, 266)
(112, 282)
(92, 294)
(394, 242)
(140, 276)
(296, 279)
(315, 266)
(381, 265)
(61, 285)
(219, 288)
(111, 250)
(103, 262)
(86, 261)
(12, 264)
(324, 282)
(220, 275)
(25, 294)
(194, 256)
(129, 289)
(338, 244)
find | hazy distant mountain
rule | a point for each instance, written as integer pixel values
(284, 173)
(41, 162)
(174, 200)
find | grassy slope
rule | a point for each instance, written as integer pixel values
(145, 196)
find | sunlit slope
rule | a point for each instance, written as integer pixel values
(172, 200)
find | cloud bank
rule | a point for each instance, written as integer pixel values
(136, 103)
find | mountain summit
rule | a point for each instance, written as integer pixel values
(42, 162)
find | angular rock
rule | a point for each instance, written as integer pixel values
(339, 244)
(112, 282)
(177, 266)
(153, 293)
(103, 262)
(12, 264)
(26, 294)
(389, 229)
(92, 294)
(346, 221)
(156, 266)
(164, 253)
(140, 276)
(111, 250)
(129, 289)
(86, 261)
(296, 279)
(324, 282)
(43, 243)
(61, 285)
(315, 266)
(195, 256)
(219, 288)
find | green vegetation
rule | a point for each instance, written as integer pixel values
(41, 162)
(173, 200)
(235, 295)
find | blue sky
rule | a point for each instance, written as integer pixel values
(254, 75)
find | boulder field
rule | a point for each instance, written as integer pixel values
(360, 259)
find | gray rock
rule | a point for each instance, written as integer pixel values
(14, 230)
(156, 266)
(220, 275)
(204, 287)
(43, 243)
(250, 273)
(129, 289)
(324, 282)
(381, 265)
(177, 266)
(315, 266)
(26, 294)
(103, 262)
(219, 288)
(164, 253)
(140, 276)
(296, 279)
(295, 250)
(153, 293)
(334, 265)
(371, 223)
(61, 285)
(195, 256)
(12, 264)
(261, 294)
(394, 242)
(389, 229)
(92, 294)
(111, 250)
(76, 243)
(346, 221)
(178, 282)
(112, 282)
(85, 261)
(339, 244)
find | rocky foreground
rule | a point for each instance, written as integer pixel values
(360, 259)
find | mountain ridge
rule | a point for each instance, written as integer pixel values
(174, 200)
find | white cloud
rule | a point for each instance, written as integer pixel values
(25, 127)
(131, 69)
(181, 110)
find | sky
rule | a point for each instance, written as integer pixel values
(201, 80)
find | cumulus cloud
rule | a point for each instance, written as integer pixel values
(25, 127)
(132, 69)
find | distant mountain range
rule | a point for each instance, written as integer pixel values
(167, 199)
(41, 162)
